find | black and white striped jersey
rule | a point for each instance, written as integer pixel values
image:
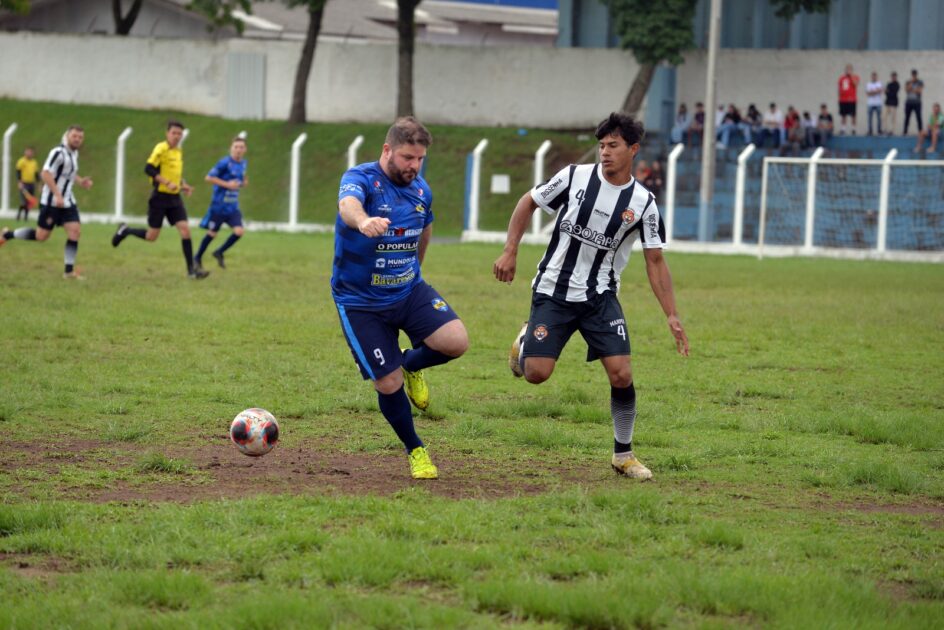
(63, 163)
(597, 225)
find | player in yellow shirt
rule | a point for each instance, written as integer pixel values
(165, 167)
(26, 169)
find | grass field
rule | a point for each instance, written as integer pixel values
(798, 453)
(323, 159)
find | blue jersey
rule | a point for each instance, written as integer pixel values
(380, 271)
(228, 170)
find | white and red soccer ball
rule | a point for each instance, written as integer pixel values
(255, 432)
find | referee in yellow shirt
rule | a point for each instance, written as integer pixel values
(165, 167)
(26, 169)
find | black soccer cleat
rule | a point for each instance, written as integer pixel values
(120, 235)
(219, 259)
(198, 273)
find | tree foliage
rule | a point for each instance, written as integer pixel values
(655, 30)
(220, 12)
(786, 9)
(17, 6)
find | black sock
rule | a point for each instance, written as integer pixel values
(623, 410)
(72, 248)
(187, 246)
(203, 246)
(395, 408)
(139, 232)
(229, 243)
(24, 234)
(424, 357)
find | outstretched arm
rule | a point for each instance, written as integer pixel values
(660, 279)
(504, 267)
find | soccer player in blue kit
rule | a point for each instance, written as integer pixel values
(382, 231)
(228, 176)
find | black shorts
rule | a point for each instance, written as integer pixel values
(51, 216)
(847, 109)
(600, 320)
(168, 205)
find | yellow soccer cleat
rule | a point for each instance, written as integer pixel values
(421, 466)
(514, 357)
(416, 389)
(627, 464)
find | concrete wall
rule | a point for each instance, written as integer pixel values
(524, 86)
(805, 79)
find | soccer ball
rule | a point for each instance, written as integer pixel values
(255, 432)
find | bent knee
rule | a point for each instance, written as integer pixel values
(390, 383)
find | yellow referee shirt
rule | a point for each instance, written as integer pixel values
(27, 168)
(170, 163)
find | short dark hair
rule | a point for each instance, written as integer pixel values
(239, 139)
(624, 125)
(174, 123)
(75, 128)
(408, 130)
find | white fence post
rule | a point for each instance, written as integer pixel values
(539, 156)
(352, 151)
(4, 204)
(762, 220)
(811, 200)
(293, 185)
(120, 173)
(738, 227)
(881, 238)
(671, 174)
(475, 179)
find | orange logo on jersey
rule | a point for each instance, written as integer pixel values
(540, 332)
(628, 216)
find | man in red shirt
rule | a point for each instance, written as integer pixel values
(848, 83)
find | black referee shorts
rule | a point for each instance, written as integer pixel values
(51, 216)
(600, 321)
(165, 205)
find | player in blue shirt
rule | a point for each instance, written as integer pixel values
(228, 176)
(381, 234)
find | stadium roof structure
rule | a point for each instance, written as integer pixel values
(437, 21)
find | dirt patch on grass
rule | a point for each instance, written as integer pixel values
(32, 566)
(218, 471)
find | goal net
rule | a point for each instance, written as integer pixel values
(865, 206)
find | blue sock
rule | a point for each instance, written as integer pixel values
(423, 357)
(203, 246)
(229, 243)
(396, 409)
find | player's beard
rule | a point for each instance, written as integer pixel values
(400, 178)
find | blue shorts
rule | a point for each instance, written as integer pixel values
(216, 217)
(374, 335)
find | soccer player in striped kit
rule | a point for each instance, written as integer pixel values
(57, 206)
(601, 211)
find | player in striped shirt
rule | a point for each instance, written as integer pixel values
(57, 206)
(601, 212)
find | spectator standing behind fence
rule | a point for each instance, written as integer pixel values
(890, 114)
(773, 126)
(697, 128)
(874, 90)
(656, 180)
(913, 89)
(794, 130)
(935, 124)
(824, 127)
(682, 121)
(848, 95)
